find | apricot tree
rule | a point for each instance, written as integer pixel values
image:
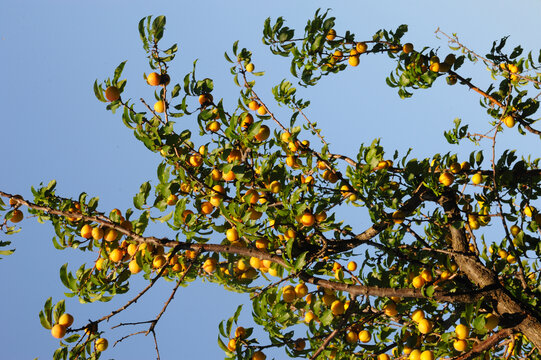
(255, 206)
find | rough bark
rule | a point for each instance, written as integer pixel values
(523, 318)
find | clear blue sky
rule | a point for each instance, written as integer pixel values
(54, 128)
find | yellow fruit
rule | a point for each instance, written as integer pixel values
(16, 216)
(445, 275)
(153, 79)
(418, 282)
(240, 332)
(253, 105)
(214, 126)
(337, 307)
(99, 264)
(232, 345)
(247, 121)
(258, 355)
(309, 316)
(58, 331)
(97, 233)
(158, 261)
(328, 299)
(86, 231)
(425, 326)
(172, 199)
(288, 294)
(427, 355)
(209, 266)
(529, 211)
(455, 168)
(415, 355)
(511, 259)
(331, 35)
(460, 345)
(134, 267)
(65, 320)
(462, 331)
(321, 216)
(361, 47)
(195, 160)
(255, 262)
(426, 275)
(263, 133)
(159, 106)
(101, 344)
(207, 208)
(383, 357)
(352, 266)
(116, 255)
(365, 336)
(398, 217)
(262, 110)
(476, 178)
(509, 121)
(418, 315)
(353, 60)
(473, 221)
(308, 219)
(250, 67)
(351, 337)
(435, 67)
(112, 93)
(301, 290)
(446, 178)
(337, 55)
(390, 309)
(465, 166)
(205, 99)
(251, 196)
(407, 48)
(491, 321)
(232, 234)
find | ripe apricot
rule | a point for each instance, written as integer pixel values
(250, 67)
(159, 106)
(407, 48)
(253, 105)
(86, 231)
(112, 93)
(361, 47)
(331, 35)
(205, 99)
(16, 216)
(263, 133)
(58, 331)
(101, 344)
(65, 320)
(110, 235)
(153, 79)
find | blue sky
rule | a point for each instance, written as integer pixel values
(54, 128)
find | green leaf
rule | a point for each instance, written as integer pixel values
(59, 309)
(158, 26)
(141, 198)
(301, 261)
(118, 71)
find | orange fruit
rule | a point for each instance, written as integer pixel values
(65, 320)
(58, 331)
(153, 79)
(205, 99)
(16, 216)
(112, 93)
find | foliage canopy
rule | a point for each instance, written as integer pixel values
(255, 202)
